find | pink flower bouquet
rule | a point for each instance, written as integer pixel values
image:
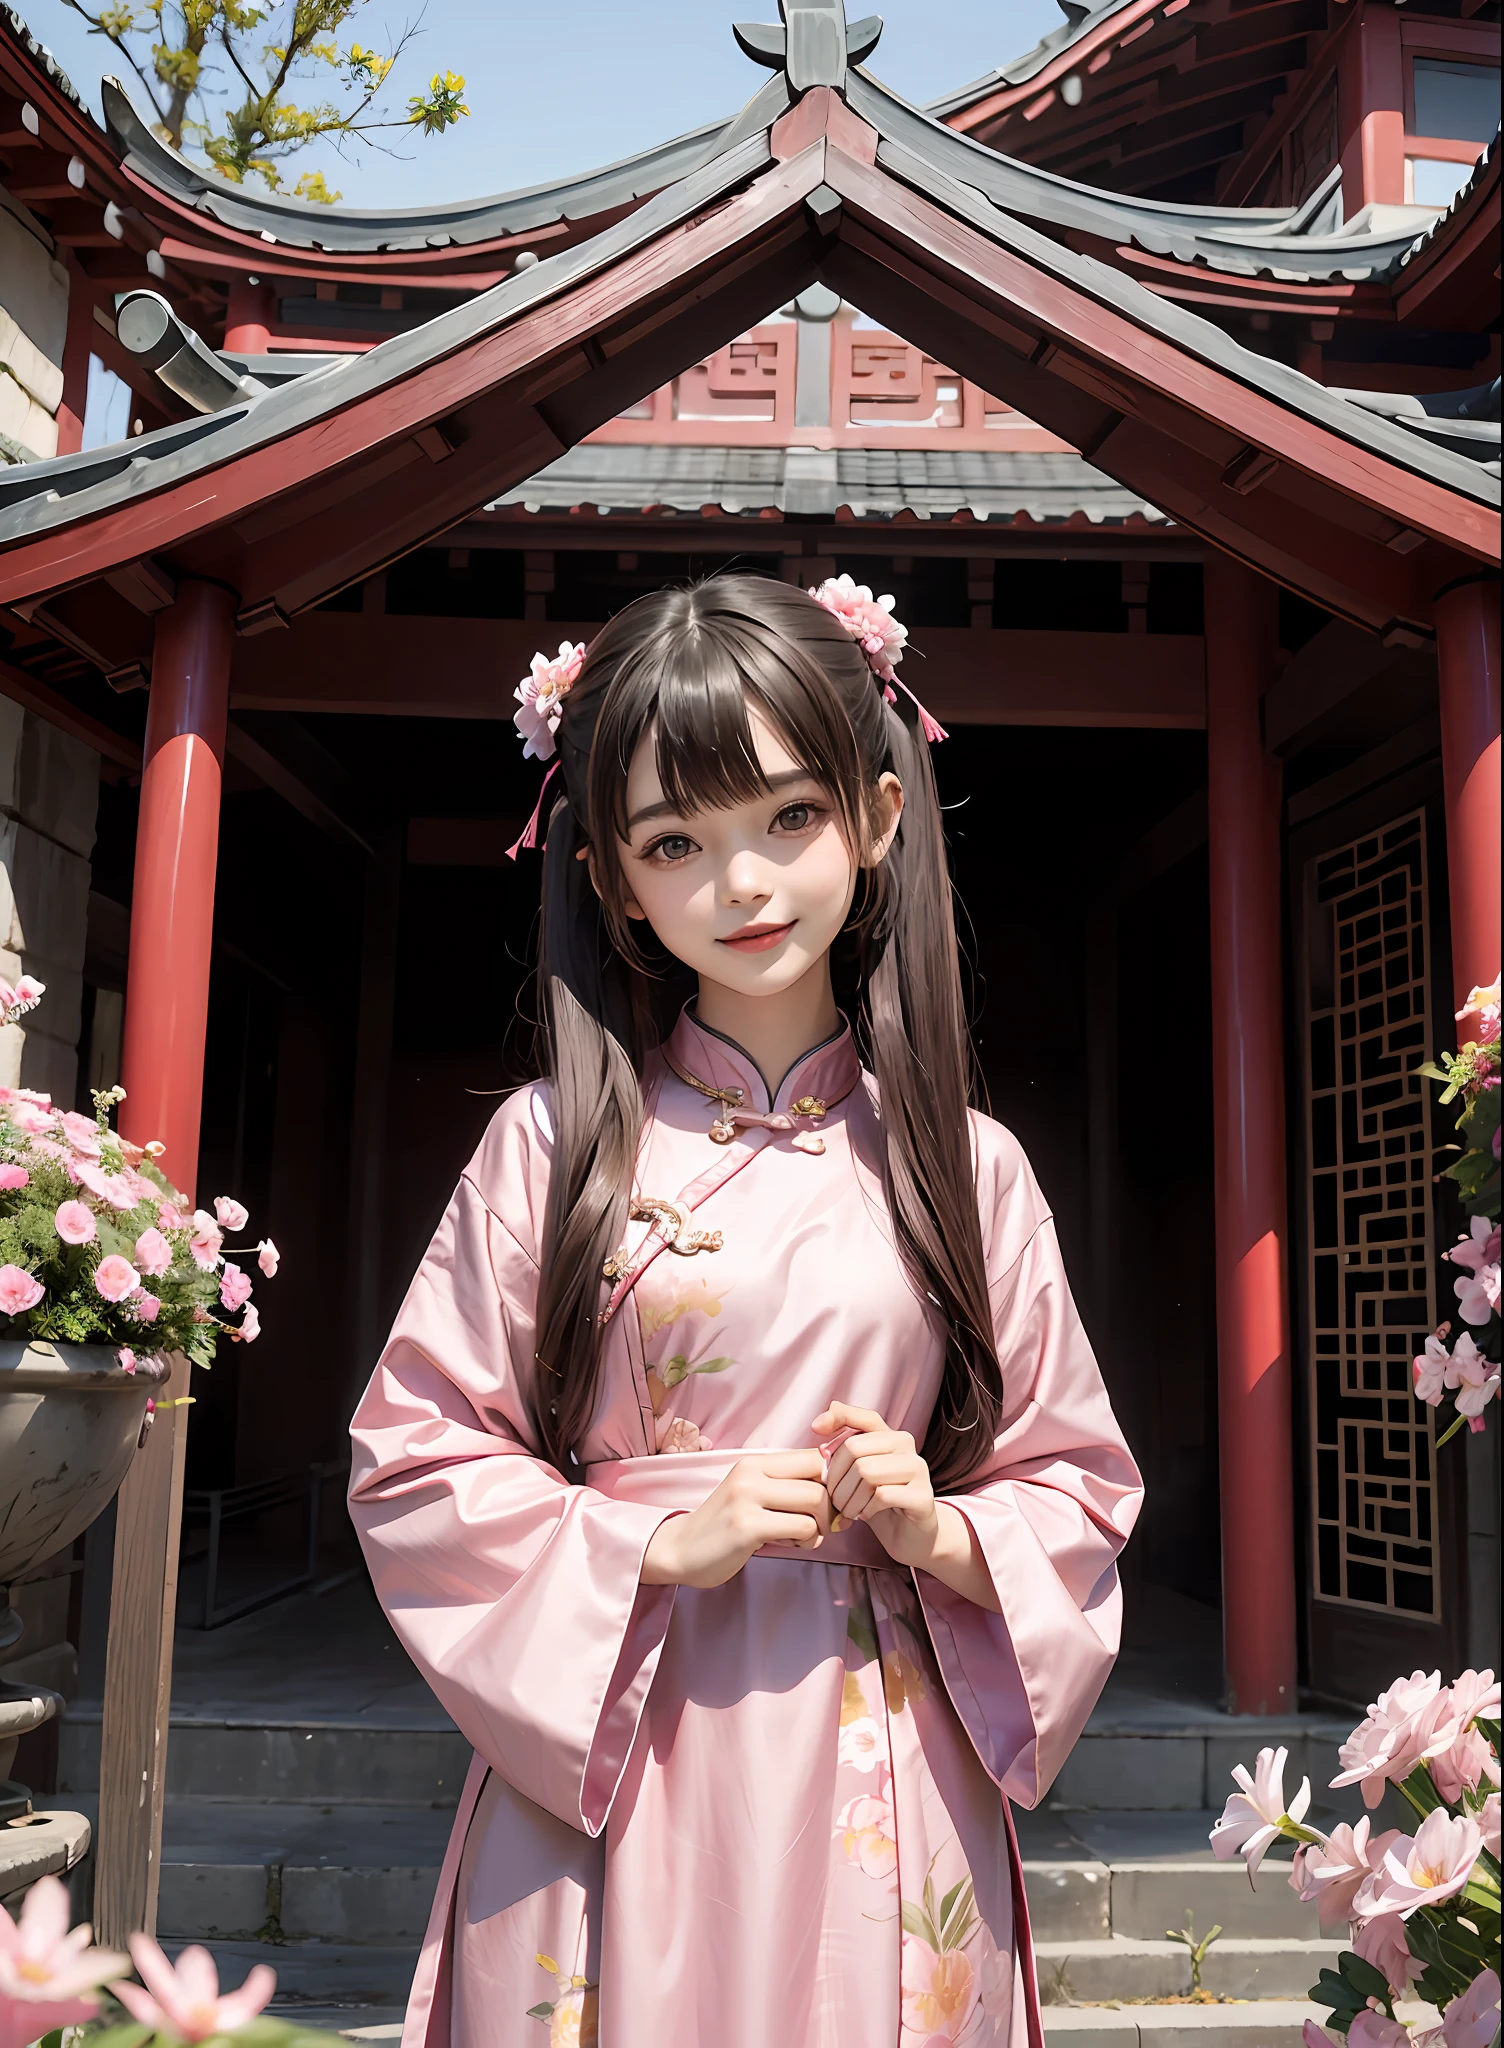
(1421, 1909)
(98, 1247)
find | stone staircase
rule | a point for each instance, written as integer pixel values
(311, 1839)
(315, 1846)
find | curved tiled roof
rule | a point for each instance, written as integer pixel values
(302, 223)
(1274, 242)
(1080, 18)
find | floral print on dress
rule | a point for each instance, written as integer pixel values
(573, 2013)
(954, 1983)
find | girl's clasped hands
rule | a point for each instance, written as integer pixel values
(863, 1471)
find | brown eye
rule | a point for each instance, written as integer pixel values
(795, 817)
(677, 846)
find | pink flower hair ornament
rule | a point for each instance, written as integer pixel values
(882, 638)
(541, 693)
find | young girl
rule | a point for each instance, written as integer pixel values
(738, 1472)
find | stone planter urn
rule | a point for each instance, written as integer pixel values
(71, 1419)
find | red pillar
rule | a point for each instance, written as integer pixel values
(1253, 1321)
(249, 317)
(177, 844)
(1467, 648)
(77, 345)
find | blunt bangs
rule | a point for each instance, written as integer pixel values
(696, 688)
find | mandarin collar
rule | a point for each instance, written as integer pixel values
(829, 1070)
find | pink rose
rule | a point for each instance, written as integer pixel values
(116, 1277)
(18, 1291)
(234, 1287)
(147, 1306)
(230, 1213)
(268, 1258)
(75, 1223)
(12, 1176)
(29, 1111)
(250, 1324)
(153, 1253)
(125, 1358)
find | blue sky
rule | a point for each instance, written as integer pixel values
(558, 88)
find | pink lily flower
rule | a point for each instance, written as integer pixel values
(1376, 2030)
(1422, 1870)
(48, 1976)
(1381, 1941)
(1462, 1764)
(1472, 2018)
(250, 1324)
(268, 1258)
(232, 1215)
(1252, 1817)
(1330, 1872)
(1488, 1823)
(186, 2002)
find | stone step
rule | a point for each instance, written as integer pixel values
(1269, 2023)
(319, 1975)
(320, 1760)
(1125, 1967)
(1179, 1760)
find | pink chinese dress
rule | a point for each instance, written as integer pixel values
(772, 1815)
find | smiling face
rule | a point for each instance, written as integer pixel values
(751, 895)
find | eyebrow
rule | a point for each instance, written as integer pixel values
(666, 809)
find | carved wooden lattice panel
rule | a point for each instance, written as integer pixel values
(1372, 1251)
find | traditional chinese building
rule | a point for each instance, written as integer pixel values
(1156, 374)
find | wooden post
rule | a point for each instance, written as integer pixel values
(78, 341)
(1467, 648)
(372, 1079)
(248, 319)
(166, 1011)
(1253, 1317)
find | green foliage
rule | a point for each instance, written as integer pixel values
(179, 50)
(1453, 1949)
(1348, 1988)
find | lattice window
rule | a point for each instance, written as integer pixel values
(1372, 1251)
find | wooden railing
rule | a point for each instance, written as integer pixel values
(885, 392)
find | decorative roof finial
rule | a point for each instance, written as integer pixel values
(814, 45)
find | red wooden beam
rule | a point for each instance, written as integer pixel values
(384, 665)
(36, 697)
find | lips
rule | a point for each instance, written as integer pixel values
(757, 938)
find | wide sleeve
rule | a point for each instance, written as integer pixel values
(1051, 1506)
(515, 1593)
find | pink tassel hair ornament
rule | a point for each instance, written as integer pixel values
(870, 622)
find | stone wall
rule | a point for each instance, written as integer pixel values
(49, 795)
(33, 324)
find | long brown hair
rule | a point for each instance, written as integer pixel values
(685, 662)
